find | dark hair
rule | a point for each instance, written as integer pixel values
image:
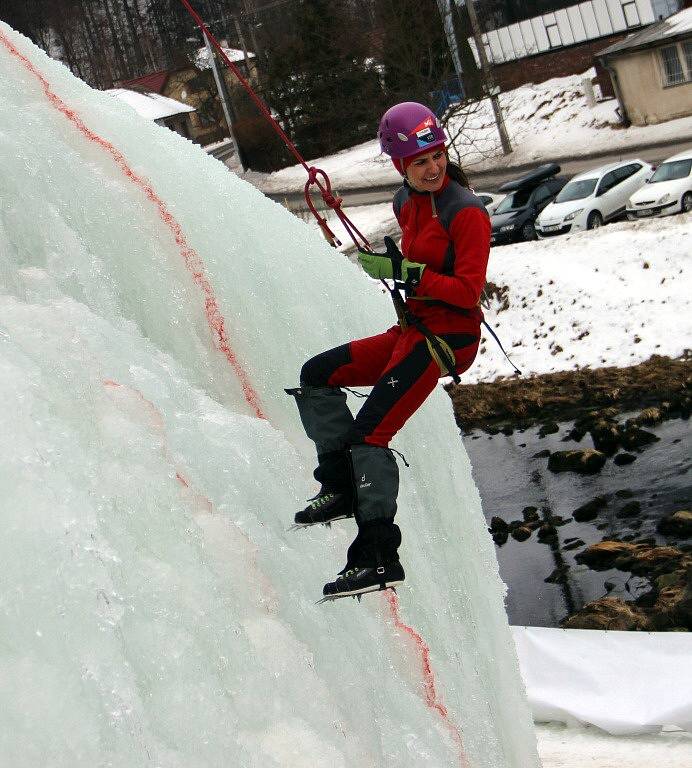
(456, 174)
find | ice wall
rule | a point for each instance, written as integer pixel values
(153, 609)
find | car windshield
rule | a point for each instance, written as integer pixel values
(514, 201)
(576, 190)
(679, 169)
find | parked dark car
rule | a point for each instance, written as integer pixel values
(515, 217)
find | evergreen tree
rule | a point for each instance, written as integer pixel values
(415, 53)
(317, 77)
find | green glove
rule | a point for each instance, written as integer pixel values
(391, 265)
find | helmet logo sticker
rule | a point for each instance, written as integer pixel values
(425, 137)
(402, 136)
(424, 133)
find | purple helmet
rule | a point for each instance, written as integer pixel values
(409, 128)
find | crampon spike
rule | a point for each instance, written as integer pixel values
(359, 596)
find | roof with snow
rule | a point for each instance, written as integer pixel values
(151, 106)
(202, 57)
(673, 28)
(152, 83)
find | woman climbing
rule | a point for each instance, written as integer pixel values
(441, 266)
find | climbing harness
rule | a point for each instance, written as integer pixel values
(440, 351)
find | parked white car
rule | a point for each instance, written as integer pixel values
(490, 200)
(593, 198)
(668, 191)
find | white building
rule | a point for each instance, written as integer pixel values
(576, 24)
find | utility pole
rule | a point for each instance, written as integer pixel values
(250, 15)
(445, 8)
(241, 38)
(225, 98)
(488, 82)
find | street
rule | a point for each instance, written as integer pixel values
(489, 181)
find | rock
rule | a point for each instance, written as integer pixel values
(625, 493)
(605, 434)
(530, 514)
(590, 510)
(547, 533)
(558, 576)
(682, 612)
(654, 561)
(585, 461)
(672, 609)
(558, 520)
(631, 509)
(498, 525)
(521, 533)
(576, 434)
(635, 437)
(602, 556)
(678, 524)
(500, 538)
(622, 459)
(541, 454)
(507, 430)
(607, 613)
(548, 429)
(573, 545)
(650, 416)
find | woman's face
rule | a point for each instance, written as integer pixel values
(427, 172)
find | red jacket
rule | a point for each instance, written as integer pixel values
(452, 238)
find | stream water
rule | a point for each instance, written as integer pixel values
(511, 477)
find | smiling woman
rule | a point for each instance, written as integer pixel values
(426, 172)
(441, 267)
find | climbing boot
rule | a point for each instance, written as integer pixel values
(325, 508)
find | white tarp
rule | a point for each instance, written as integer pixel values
(622, 682)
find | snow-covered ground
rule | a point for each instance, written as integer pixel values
(613, 296)
(547, 120)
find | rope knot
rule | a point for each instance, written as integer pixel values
(330, 200)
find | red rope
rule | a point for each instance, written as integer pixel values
(325, 189)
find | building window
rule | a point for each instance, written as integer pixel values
(629, 8)
(687, 50)
(554, 35)
(677, 67)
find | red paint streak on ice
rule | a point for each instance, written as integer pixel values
(432, 698)
(192, 260)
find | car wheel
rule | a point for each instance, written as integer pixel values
(686, 203)
(594, 221)
(528, 231)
